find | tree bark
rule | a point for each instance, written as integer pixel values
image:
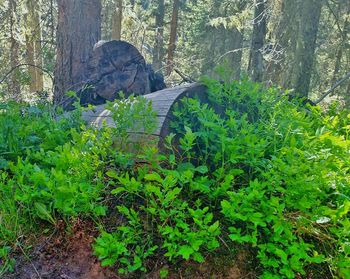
(235, 57)
(117, 20)
(256, 67)
(31, 61)
(347, 96)
(14, 86)
(158, 52)
(173, 35)
(284, 37)
(33, 45)
(342, 45)
(79, 29)
(310, 17)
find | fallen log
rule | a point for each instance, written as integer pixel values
(114, 66)
(163, 102)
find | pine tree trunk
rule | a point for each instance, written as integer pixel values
(117, 20)
(38, 53)
(33, 45)
(79, 29)
(341, 47)
(235, 57)
(173, 35)
(347, 96)
(52, 23)
(30, 61)
(284, 31)
(14, 86)
(310, 17)
(287, 42)
(256, 67)
(158, 52)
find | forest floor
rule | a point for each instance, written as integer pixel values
(69, 255)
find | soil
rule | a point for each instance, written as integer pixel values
(69, 255)
(65, 255)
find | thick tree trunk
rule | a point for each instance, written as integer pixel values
(173, 35)
(33, 45)
(117, 20)
(284, 37)
(79, 29)
(14, 86)
(310, 17)
(256, 67)
(158, 52)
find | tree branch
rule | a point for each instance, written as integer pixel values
(25, 64)
(335, 86)
(183, 76)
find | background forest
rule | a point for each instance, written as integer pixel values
(299, 45)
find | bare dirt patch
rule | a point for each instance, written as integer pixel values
(63, 256)
(69, 255)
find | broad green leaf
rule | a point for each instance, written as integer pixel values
(185, 251)
(43, 212)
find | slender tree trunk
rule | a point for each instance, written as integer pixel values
(30, 59)
(256, 67)
(52, 24)
(347, 96)
(211, 38)
(14, 86)
(38, 52)
(117, 20)
(33, 45)
(235, 57)
(79, 29)
(337, 64)
(173, 34)
(158, 51)
(222, 45)
(342, 45)
(310, 17)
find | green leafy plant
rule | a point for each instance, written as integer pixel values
(6, 262)
(129, 245)
(250, 169)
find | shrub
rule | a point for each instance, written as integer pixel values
(270, 172)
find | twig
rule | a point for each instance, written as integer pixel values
(223, 241)
(183, 76)
(245, 276)
(24, 253)
(335, 86)
(25, 64)
(231, 51)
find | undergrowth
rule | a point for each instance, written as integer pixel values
(247, 169)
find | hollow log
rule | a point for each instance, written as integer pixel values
(163, 102)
